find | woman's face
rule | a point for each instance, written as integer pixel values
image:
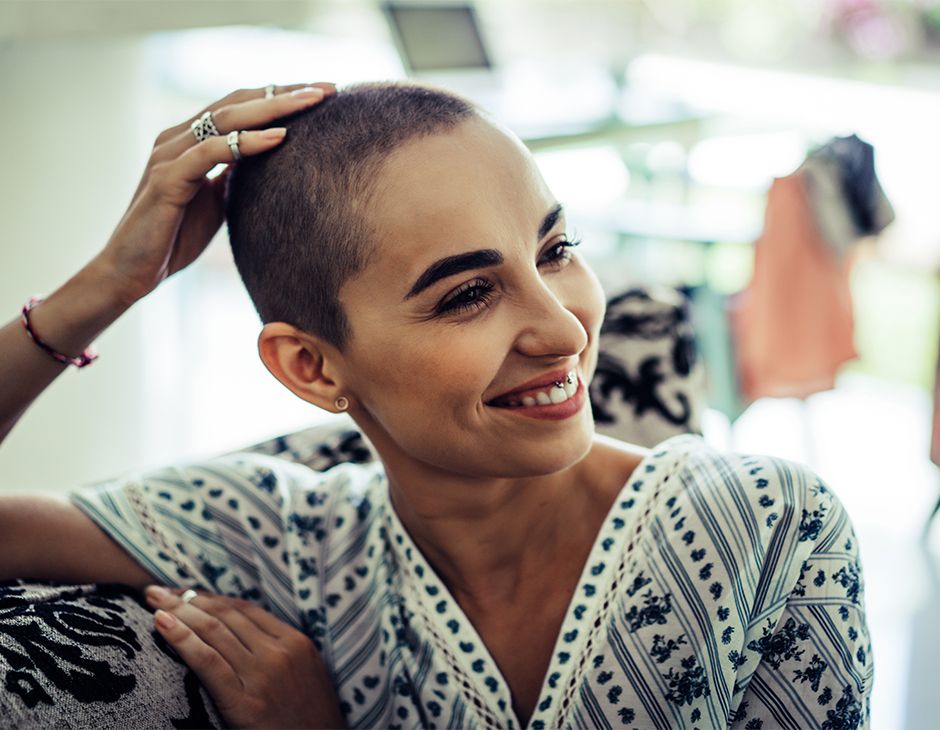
(471, 293)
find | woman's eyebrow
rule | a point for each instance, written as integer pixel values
(481, 259)
(550, 219)
(455, 265)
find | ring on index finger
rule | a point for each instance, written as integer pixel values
(204, 127)
(269, 91)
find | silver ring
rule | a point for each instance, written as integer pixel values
(204, 127)
(188, 595)
(269, 91)
(232, 140)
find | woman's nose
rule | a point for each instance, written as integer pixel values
(548, 327)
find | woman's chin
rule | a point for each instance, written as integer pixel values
(550, 456)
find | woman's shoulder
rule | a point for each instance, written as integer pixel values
(295, 484)
(758, 489)
(768, 495)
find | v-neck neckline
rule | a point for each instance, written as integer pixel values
(480, 679)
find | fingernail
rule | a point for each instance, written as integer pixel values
(157, 594)
(308, 92)
(274, 133)
(165, 620)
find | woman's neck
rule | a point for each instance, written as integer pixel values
(490, 539)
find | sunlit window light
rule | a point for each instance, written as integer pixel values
(586, 179)
(212, 62)
(746, 161)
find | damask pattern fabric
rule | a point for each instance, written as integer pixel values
(88, 656)
(649, 383)
(722, 590)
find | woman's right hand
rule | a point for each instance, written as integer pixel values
(176, 209)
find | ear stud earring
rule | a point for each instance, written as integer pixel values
(341, 403)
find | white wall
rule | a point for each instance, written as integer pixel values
(70, 155)
(172, 382)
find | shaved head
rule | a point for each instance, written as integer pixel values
(298, 216)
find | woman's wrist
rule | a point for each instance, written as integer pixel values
(72, 316)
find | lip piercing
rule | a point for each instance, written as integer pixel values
(569, 379)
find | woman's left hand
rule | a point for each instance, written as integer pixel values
(260, 671)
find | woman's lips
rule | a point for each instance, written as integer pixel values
(543, 390)
(552, 411)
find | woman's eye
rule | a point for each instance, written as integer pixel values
(473, 295)
(476, 295)
(559, 252)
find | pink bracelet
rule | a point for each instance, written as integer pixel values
(86, 358)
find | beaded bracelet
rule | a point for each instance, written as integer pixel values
(86, 358)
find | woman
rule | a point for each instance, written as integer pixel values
(502, 565)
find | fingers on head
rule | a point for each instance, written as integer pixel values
(239, 97)
(251, 114)
(257, 112)
(242, 95)
(211, 152)
(168, 177)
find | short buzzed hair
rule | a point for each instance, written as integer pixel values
(295, 219)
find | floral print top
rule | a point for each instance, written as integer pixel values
(722, 590)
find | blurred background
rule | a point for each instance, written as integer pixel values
(664, 126)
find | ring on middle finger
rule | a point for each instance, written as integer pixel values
(188, 595)
(269, 91)
(204, 127)
(232, 141)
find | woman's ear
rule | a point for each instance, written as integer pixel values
(305, 364)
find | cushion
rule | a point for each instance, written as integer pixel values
(87, 656)
(649, 384)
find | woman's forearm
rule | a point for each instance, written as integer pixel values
(68, 320)
(171, 220)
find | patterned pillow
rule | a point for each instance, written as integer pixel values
(649, 384)
(320, 447)
(88, 656)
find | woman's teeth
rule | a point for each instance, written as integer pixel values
(553, 394)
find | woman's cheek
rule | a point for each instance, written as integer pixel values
(584, 297)
(464, 359)
(443, 368)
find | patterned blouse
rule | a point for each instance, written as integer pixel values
(721, 591)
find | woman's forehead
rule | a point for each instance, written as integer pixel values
(469, 187)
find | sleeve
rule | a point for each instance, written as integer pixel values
(815, 660)
(218, 525)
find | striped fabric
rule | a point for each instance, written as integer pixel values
(721, 591)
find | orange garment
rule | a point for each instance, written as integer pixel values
(793, 325)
